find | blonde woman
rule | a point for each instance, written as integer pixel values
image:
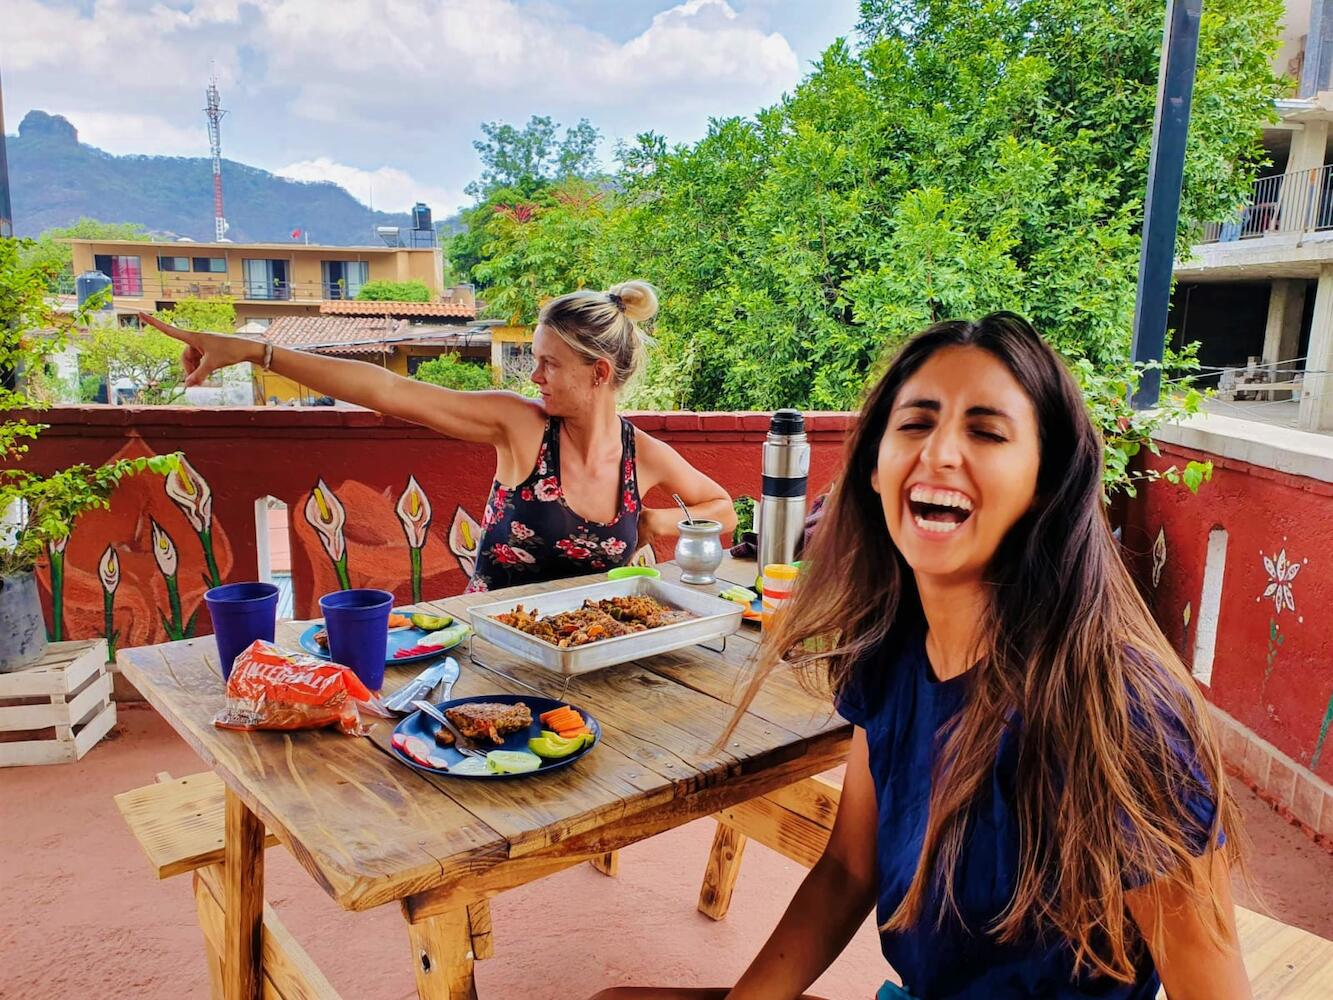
(569, 470)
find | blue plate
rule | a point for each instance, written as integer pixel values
(423, 726)
(403, 638)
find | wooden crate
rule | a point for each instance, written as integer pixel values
(56, 710)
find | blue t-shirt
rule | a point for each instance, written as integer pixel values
(896, 699)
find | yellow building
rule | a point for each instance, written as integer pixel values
(266, 280)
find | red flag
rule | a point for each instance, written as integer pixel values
(296, 234)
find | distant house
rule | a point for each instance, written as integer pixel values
(266, 280)
(393, 342)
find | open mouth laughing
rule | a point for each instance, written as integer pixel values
(938, 511)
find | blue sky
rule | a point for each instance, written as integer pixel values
(385, 96)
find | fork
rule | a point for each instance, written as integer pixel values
(461, 743)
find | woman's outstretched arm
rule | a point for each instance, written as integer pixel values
(483, 417)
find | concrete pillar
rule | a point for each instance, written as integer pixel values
(1316, 413)
(1307, 146)
(1317, 69)
(1303, 182)
(1282, 333)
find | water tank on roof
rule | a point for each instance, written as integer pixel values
(88, 284)
(421, 216)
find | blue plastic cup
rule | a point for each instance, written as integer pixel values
(357, 622)
(241, 613)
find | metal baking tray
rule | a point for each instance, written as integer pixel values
(714, 618)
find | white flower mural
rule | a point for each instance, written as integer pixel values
(1281, 574)
(1158, 556)
(465, 540)
(108, 570)
(415, 513)
(191, 493)
(164, 551)
(326, 514)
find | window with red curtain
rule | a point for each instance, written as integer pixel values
(126, 273)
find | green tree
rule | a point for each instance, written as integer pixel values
(47, 506)
(211, 315)
(149, 359)
(527, 158)
(394, 291)
(967, 157)
(452, 372)
(539, 249)
(46, 252)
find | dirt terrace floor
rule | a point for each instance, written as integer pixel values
(84, 917)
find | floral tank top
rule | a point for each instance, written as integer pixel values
(530, 535)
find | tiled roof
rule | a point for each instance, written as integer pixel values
(434, 310)
(335, 334)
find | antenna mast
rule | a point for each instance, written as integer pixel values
(214, 113)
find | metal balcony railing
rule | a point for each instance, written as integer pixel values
(263, 291)
(1298, 202)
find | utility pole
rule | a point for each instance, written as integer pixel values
(6, 211)
(1161, 206)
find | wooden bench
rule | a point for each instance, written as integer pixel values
(179, 823)
(1282, 961)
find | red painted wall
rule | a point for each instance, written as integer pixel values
(239, 455)
(1272, 669)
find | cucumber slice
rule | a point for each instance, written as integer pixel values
(471, 766)
(512, 761)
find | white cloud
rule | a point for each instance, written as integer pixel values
(121, 133)
(317, 85)
(387, 188)
(411, 59)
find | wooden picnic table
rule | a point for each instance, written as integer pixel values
(371, 830)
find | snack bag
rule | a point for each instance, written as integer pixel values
(272, 688)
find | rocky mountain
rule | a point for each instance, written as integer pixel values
(55, 179)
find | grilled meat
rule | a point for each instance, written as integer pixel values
(596, 620)
(490, 719)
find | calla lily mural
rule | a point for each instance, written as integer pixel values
(415, 513)
(326, 514)
(164, 552)
(55, 554)
(465, 540)
(191, 493)
(108, 569)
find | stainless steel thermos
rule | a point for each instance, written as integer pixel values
(786, 471)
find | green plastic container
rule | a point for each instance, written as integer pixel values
(625, 572)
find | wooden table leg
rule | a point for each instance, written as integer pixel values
(608, 864)
(479, 923)
(442, 955)
(242, 902)
(724, 864)
(204, 904)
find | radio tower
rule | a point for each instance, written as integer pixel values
(214, 112)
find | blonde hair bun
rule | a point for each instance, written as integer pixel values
(638, 300)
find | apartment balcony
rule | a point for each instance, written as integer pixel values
(1283, 230)
(1284, 204)
(191, 287)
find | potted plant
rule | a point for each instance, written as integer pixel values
(37, 512)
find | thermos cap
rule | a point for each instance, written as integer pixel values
(787, 422)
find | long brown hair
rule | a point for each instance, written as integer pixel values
(1112, 732)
